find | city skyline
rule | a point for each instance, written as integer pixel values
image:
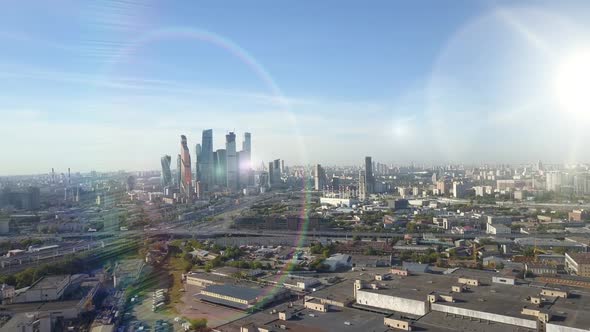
(397, 89)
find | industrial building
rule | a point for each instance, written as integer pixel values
(241, 297)
(50, 288)
(475, 297)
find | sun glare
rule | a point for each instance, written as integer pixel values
(572, 82)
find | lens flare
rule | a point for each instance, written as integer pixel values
(572, 83)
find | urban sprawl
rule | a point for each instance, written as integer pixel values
(217, 243)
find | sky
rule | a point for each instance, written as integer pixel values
(109, 85)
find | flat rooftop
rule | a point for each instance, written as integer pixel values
(438, 321)
(49, 282)
(332, 320)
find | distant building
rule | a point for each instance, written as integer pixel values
(578, 215)
(185, 169)
(220, 167)
(24, 199)
(362, 190)
(554, 180)
(498, 229)
(319, 177)
(231, 162)
(166, 176)
(460, 189)
(206, 159)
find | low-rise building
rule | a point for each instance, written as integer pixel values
(578, 263)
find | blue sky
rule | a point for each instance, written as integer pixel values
(110, 85)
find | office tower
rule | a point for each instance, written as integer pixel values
(554, 181)
(276, 175)
(362, 190)
(220, 167)
(231, 161)
(283, 171)
(52, 175)
(434, 178)
(166, 176)
(582, 184)
(271, 172)
(206, 158)
(369, 178)
(244, 160)
(178, 171)
(319, 177)
(186, 173)
(69, 177)
(198, 162)
(130, 183)
(247, 143)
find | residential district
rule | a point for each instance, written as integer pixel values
(219, 244)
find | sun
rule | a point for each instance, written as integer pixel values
(572, 83)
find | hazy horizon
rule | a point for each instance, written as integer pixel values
(105, 85)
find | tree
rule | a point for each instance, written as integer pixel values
(197, 324)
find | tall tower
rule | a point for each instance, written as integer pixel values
(319, 177)
(206, 158)
(179, 171)
(186, 173)
(369, 178)
(166, 177)
(198, 162)
(220, 167)
(245, 161)
(232, 161)
(69, 177)
(362, 190)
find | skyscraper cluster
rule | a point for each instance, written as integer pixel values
(222, 168)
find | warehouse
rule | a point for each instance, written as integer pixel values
(482, 300)
(240, 297)
(45, 289)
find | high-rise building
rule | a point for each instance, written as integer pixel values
(166, 176)
(131, 183)
(179, 171)
(206, 160)
(582, 184)
(186, 169)
(369, 178)
(362, 190)
(220, 166)
(247, 143)
(198, 150)
(244, 160)
(271, 172)
(231, 161)
(276, 175)
(319, 177)
(554, 181)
